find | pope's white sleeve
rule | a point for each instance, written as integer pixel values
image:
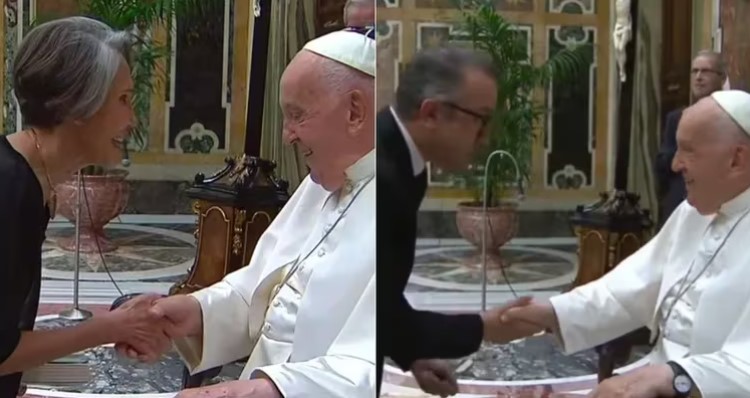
(226, 337)
(348, 368)
(621, 301)
(725, 373)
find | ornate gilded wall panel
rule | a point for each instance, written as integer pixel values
(200, 82)
(195, 118)
(570, 138)
(389, 61)
(571, 6)
(515, 5)
(501, 5)
(389, 3)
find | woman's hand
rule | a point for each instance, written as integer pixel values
(135, 326)
(181, 317)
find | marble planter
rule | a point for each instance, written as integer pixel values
(103, 198)
(501, 226)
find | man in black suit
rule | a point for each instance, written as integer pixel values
(707, 74)
(443, 106)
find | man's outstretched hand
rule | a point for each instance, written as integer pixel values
(536, 312)
(435, 377)
(502, 330)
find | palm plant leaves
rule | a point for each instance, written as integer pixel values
(124, 14)
(517, 111)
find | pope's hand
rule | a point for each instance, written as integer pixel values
(184, 314)
(502, 331)
(435, 376)
(540, 313)
(255, 388)
(647, 382)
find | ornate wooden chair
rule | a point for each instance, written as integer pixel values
(609, 231)
(616, 353)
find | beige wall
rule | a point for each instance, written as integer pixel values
(702, 25)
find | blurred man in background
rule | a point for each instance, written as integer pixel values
(359, 13)
(707, 74)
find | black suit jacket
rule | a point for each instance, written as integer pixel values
(671, 186)
(405, 334)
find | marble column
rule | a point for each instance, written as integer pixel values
(735, 46)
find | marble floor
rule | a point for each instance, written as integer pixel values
(155, 251)
(446, 278)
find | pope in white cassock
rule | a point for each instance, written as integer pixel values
(303, 310)
(690, 283)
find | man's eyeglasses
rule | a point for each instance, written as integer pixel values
(696, 71)
(367, 31)
(485, 119)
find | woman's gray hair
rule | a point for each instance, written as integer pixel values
(65, 68)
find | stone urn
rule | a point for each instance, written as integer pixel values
(103, 198)
(501, 226)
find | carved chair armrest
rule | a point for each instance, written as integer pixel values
(616, 352)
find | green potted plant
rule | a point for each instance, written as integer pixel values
(511, 128)
(106, 190)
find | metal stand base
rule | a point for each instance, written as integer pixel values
(484, 216)
(76, 314)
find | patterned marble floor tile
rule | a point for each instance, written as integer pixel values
(109, 373)
(46, 309)
(145, 253)
(457, 268)
(188, 228)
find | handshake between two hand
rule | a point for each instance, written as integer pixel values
(144, 326)
(519, 318)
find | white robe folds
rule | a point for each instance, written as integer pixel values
(316, 338)
(708, 330)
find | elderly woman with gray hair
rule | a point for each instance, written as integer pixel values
(73, 85)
